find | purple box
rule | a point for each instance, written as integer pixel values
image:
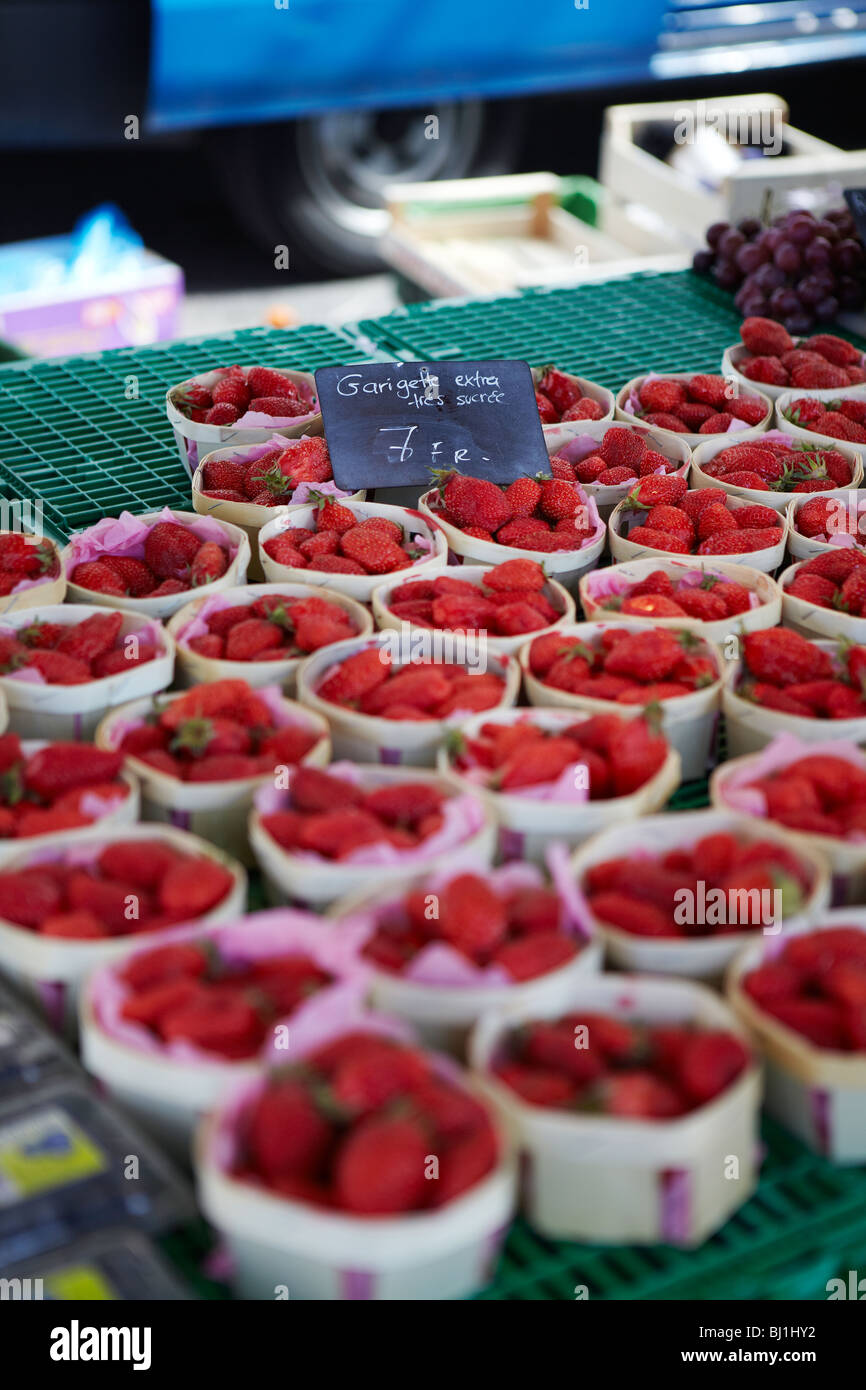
(128, 309)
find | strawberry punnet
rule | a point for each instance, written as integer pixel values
(174, 558)
(635, 1070)
(558, 521)
(524, 931)
(272, 628)
(126, 888)
(340, 539)
(703, 522)
(350, 1128)
(189, 992)
(618, 755)
(717, 885)
(784, 671)
(333, 816)
(25, 560)
(218, 732)
(625, 667)
(559, 398)
(238, 390)
(74, 653)
(820, 794)
(822, 361)
(816, 986)
(700, 404)
(61, 786)
(508, 601)
(775, 465)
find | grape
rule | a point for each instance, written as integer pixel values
(836, 215)
(827, 310)
(850, 292)
(772, 238)
(753, 306)
(730, 243)
(826, 229)
(801, 230)
(750, 256)
(818, 252)
(702, 261)
(847, 255)
(787, 258)
(726, 275)
(785, 301)
(812, 289)
(750, 227)
(798, 324)
(715, 232)
(768, 278)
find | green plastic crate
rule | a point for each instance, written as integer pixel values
(89, 435)
(610, 332)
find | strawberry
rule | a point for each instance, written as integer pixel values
(674, 542)
(766, 369)
(223, 413)
(546, 409)
(660, 394)
(137, 862)
(91, 638)
(267, 381)
(629, 915)
(475, 502)
(380, 1167)
(355, 677)
(587, 471)
(658, 490)
(548, 1088)
(332, 515)
(623, 448)
(709, 390)
(472, 918)
(612, 477)
(224, 475)
(819, 378)
(56, 668)
(169, 549)
(62, 767)
(367, 1082)
(135, 576)
(280, 407)
(194, 886)
(559, 389)
(375, 552)
(833, 349)
(99, 577)
(782, 657)
(644, 656)
(765, 338)
(701, 604)
(210, 562)
(638, 1095)
(286, 1134)
(710, 1064)
(523, 496)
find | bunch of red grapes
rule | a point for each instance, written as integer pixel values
(801, 270)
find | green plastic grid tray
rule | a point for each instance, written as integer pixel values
(805, 1224)
(665, 321)
(89, 435)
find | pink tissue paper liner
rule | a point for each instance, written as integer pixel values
(125, 535)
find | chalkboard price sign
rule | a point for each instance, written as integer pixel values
(388, 423)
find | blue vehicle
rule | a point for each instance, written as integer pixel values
(315, 105)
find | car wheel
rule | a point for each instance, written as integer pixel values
(317, 185)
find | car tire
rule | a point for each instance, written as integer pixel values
(316, 186)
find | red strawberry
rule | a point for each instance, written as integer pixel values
(210, 562)
(380, 1167)
(833, 349)
(281, 407)
(367, 1082)
(286, 1134)
(355, 677)
(169, 549)
(91, 638)
(710, 1064)
(99, 577)
(62, 767)
(223, 413)
(765, 338)
(194, 886)
(56, 668)
(659, 394)
(766, 369)
(782, 657)
(373, 550)
(560, 389)
(623, 448)
(644, 656)
(267, 381)
(471, 915)
(630, 915)
(135, 576)
(476, 502)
